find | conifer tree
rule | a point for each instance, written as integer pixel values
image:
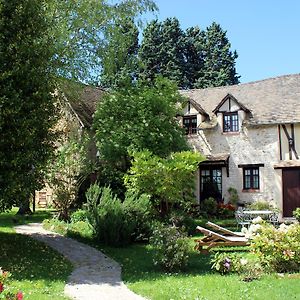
(219, 61)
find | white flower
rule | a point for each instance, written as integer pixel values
(243, 261)
(257, 220)
(283, 227)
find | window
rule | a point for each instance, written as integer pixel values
(211, 183)
(251, 178)
(190, 124)
(230, 122)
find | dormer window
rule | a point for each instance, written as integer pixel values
(190, 124)
(230, 122)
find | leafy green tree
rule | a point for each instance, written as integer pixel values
(139, 117)
(120, 64)
(162, 51)
(219, 61)
(82, 28)
(167, 180)
(41, 41)
(27, 104)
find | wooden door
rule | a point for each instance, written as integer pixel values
(291, 191)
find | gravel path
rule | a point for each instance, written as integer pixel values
(95, 276)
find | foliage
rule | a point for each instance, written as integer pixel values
(56, 225)
(140, 117)
(139, 210)
(4, 294)
(27, 110)
(171, 248)
(278, 249)
(209, 206)
(69, 168)
(167, 180)
(225, 210)
(192, 59)
(181, 219)
(296, 214)
(225, 263)
(79, 215)
(260, 205)
(162, 51)
(120, 64)
(116, 223)
(233, 196)
(219, 61)
(84, 29)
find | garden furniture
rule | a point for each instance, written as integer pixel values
(213, 239)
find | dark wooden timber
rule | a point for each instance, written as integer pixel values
(280, 146)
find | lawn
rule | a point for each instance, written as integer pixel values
(36, 269)
(198, 281)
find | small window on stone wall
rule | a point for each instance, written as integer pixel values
(230, 122)
(251, 178)
(190, 124)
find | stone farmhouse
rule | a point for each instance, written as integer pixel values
(77, 106)
(250, 135)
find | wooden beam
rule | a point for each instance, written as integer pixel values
(280, 146)
(289, 141)
(294, 143)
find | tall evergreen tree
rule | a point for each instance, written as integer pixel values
(219, 61)
(194, 44)
(193, 59)
(119, 63)
(162, 51)
(27, 104)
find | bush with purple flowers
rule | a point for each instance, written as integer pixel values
(225, 263)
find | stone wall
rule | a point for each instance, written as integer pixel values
(252, 145)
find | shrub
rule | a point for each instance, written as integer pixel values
(106, 216)
(278, 249)
(79, 215)
(171, 248)
(116, 223)
(225, 263)
(6, 293)
(180, 218)
(260, 205)
(209, 206)
(296, 214)
(139, 210)
(80, 228)
(226, 210)
(233, 196)
(56, 225)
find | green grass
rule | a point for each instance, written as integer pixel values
(198, 281)
(37, 270)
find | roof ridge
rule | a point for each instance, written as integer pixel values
(243, 84)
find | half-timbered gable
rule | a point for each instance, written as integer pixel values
(255, 128)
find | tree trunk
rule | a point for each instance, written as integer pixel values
(24, 208)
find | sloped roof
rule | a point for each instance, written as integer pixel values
(271, 101)
(83, 100)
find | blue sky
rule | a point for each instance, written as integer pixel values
(265, 33)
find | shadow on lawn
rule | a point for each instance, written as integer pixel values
(28, 259)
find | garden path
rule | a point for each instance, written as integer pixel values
(95, 276)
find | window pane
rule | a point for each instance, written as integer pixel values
(230, 122)
(251, 178)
